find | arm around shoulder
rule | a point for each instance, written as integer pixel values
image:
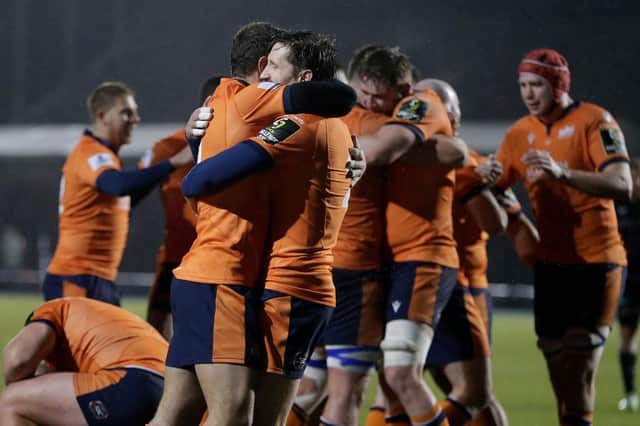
(26, 350)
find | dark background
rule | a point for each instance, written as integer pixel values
(55, 53)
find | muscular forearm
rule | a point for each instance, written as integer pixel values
(446, 152)
(524, 237)
(598, 184)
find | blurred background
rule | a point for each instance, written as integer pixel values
(55, 53)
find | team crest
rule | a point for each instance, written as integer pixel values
(413, 110)
(279, 131)
(612, 140)
(100, 160)
(98, 409)
(566, 131)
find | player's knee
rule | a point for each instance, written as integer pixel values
(400, 379)
(406, 343)
(313, 386)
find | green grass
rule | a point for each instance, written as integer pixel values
(520, 378)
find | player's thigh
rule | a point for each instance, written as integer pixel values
(182, 400)
(274, 397)
(47, 399)
(212, 324)
(227, 389)
(418, 291)
(291, 328)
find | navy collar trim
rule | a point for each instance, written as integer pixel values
(104, 142)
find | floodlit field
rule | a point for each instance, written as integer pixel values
(519, 374)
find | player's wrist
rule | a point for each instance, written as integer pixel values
(565, 174)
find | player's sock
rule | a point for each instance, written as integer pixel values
(456, 412)
(375, 416)
(434, 417)
(576, 419)
(397, 418)
(628, 366)
(297, 417)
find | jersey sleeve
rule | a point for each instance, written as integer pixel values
(468, 182)
(92, 162)
(506, 157)
(49, 313)
(259, 102)
(424, 114)
(280, 138)
(605, 142)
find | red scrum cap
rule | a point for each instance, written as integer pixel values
(550, 65)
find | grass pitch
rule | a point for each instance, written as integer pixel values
(520, 378)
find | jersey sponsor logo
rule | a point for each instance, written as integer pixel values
(279, 131)
(100, 160)
(98, 409)
(413, 110)
(566, 131)
(612, 140)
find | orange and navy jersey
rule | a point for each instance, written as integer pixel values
(93, 335)
(361, 238)
(179, 219)
(309, 193)
(93, 226)
(232, 225)
(470, 239)
(419, 224)
(574, 227)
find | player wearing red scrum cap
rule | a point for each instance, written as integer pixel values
(573, 160)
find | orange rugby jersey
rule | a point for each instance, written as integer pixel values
(361, 238)
(470, 239)
(232, 224)
(309, 193)
(419, 223)
(179, 219)
(93, 335)
(93, 226)
(574, 227)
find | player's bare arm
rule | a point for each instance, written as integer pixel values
(490, 170)
(614, 181)
(445, 152)
(25, 351)
(487, 213)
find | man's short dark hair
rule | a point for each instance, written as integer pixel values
(313, 51)
(208, 86)
(385, 64)
(251, 42)
(104, 96)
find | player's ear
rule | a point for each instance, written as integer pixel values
(262, 64)
(305, 75)
(403, 89)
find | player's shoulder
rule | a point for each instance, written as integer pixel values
(524, 124)
(592, 113)
(171, 143)
(416, 106)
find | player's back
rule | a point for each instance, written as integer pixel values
(93, 335)
(179, 225)
(574, 227)
(92, 226)
(309, 195)
(361, 238)
(419, 223)
(232, 224)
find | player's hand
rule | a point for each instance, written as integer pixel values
(505, 198)
(490, 170)
(537, 161)
(356, 164)
(199, 121)
(182, 158)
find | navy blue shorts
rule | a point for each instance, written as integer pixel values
(629, 309)
(291, 329)
(575, 296)
(358, 318)
(419, 291)
(461, 333)
(56, 286)
(213, 324)
(132, 401)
